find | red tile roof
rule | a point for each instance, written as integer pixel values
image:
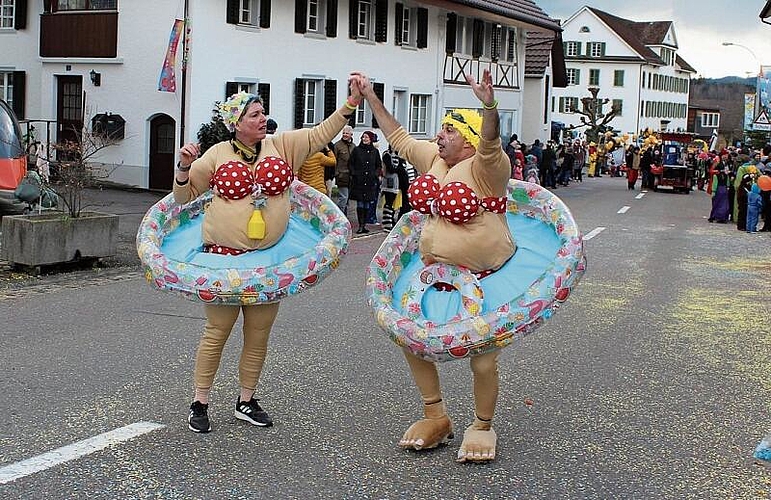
(641, 34)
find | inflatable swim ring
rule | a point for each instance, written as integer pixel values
(169, 246)
(477, 316)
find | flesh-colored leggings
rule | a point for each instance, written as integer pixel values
(258, 320)
(484, 368)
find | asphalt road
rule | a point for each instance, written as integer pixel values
(652, 381)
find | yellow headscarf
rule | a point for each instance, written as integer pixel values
(466, 121)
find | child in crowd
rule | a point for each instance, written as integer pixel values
(754, 208)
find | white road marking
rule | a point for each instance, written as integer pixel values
(73, 451)
(623, 209)
(639, 196)
(594, 232)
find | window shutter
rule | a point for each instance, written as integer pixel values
(20, 21)
(495, 47)
(578, 48)
(602, 49)
(452, 33)
(330, 97)
(331, 18)
(232, 12)
(265, 14)
(399, 16)
(422, 40)
(379, 89)
(263, 90)
(230, 89)
(562, 104)
(565, 47)
(478, 38)
(299, 102)
(19, 91)
(300, 18)
(353, 19)
(578, 77)
(381, 20)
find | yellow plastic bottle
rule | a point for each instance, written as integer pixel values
(256, 227)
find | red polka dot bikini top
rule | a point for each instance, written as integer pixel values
(233, 180)
(456, 202)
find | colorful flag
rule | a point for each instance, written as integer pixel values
(168, 82)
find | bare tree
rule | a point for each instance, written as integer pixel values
(592, 115)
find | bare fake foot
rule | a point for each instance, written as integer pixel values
(478, 444)
(427, 433)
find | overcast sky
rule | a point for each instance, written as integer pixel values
(700, 25)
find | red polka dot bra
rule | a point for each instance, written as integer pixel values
(456, 202)
(233, 180)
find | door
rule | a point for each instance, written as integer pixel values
(162, 129)
(69, 109)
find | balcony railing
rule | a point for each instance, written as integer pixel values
(79, 34)
(505, 74)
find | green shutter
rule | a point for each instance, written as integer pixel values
(578, 48)
(562, 105)
(299, 101)
(602, 49)
(331, 18)
(265, 14)
(578, 77)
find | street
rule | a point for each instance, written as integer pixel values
(652, 381)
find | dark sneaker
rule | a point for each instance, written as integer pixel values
(198, 421)
(251, 412)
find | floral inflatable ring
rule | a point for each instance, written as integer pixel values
(437, 274)
(170, 249)
(488, 313)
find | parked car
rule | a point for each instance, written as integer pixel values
(13, 161)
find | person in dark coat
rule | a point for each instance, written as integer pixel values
(364, 165)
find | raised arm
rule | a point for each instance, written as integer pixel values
(484, 92)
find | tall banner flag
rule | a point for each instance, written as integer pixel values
(168, 81)
(749, 110)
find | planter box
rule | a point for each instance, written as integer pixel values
(53, 238)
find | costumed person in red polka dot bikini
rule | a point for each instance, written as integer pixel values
(250, 176)
(463, 189)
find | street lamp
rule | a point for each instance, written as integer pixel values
(760, 66)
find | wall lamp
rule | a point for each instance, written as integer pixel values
(96, 78)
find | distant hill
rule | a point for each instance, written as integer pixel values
(751, 81)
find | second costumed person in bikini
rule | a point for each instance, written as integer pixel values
(467, 156)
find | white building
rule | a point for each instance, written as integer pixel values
(70, 60)
(635, 65)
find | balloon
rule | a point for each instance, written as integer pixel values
(764, 183)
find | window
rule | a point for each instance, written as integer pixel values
(6, 88)
(595, 49)
(618, 78)
(419, 113)
(584, 29)
(314, 16)
(361, 113)
(710, 120)
(7, 13)
(618, 105)
(573, 48)
(568, 104)
(260, 89)
(364, 20)
(399, 106)
(247, 11)
(311, 101)
(465, 35)
(405, 29)
(87, 4)
(594, 77)
(573, 76)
